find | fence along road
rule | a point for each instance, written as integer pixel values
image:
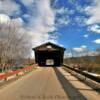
(48, 83)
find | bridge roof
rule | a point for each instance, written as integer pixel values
(49, 46)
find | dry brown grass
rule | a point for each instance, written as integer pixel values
(90, 64)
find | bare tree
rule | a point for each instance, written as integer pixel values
(14, 44)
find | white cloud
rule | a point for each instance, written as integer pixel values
(27, 2)
(84, 46)
(9, 7)
(86, 36)
(63, 21)
(27, 16)
(93, 20)
(95, 28)
(61, 10)
(64, 10)
(97, 41)
(40, 17)
(4, 18)
(46, 12)
(71, 1)
(63, 13)
(94, 12)
(80, 20)
(15, 23)
(42, 22)
(80, 49)
(79, 8)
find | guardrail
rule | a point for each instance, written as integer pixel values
(6, 75)
(94, 78)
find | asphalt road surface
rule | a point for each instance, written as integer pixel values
(47, 83)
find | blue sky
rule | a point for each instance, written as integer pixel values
(77, 33)
(70, 23)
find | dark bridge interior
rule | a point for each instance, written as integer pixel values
(49, 54)
(49, 57)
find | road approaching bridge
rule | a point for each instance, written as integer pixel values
(48, 83)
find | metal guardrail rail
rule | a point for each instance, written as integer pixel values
(94, 78)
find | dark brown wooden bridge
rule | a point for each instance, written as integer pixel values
(49, 54)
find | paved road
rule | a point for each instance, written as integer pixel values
(48, 83)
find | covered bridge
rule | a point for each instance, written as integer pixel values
(49, 54)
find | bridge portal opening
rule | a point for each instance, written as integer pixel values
(49, 62)
(49, 54)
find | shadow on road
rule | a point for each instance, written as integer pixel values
(69, 89)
